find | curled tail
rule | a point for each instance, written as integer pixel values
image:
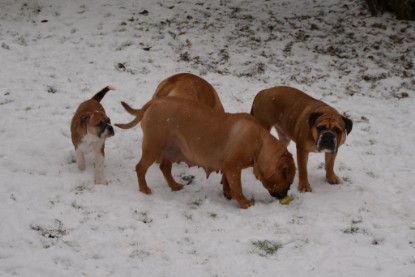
(138, 115)
(100, 94)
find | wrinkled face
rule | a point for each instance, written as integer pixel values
(329, 131)
(279, 177)
(98, 124)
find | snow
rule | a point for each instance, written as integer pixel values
(56, 222)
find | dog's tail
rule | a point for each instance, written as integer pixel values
(138, 115)
(100, 94)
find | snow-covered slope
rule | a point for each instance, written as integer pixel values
(55, 222)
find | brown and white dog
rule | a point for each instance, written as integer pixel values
(313, 125)
(90, 127)
(180, 130)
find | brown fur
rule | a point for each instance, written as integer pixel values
(90, 126)
(299, 117)
(180, 130)
(186, 86)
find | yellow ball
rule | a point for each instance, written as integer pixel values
(286, 200)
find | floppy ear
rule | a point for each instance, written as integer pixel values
(312, 119)
(287, 164)
(348, 123)
(85, 118)
(290, 172)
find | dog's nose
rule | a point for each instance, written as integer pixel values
(327, 142)
(111, 130)
(278, 195)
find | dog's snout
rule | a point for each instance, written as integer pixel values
(278, 195)
(111, 130)
(327, 137)
(327, 142)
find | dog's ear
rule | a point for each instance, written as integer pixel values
(348, 123)
(312, 119)
(286, 162)
(290, 171)
(85, 118)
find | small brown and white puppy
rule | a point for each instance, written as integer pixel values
(180, 130)
(90, 127)
(313, 125)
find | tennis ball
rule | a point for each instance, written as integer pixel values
(286, 200)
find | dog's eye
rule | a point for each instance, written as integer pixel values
(321, 129)
(337, 131)
(101, 124)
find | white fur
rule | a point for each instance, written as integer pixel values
(91, 143)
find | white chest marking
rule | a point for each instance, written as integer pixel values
(91, 143)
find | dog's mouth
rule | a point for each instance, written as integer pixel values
(105, 130)
(279, 195)
(327, 142)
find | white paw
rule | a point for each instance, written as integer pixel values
(100, 180)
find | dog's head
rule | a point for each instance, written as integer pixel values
(98, 124)
(329, 130)
(275, 171)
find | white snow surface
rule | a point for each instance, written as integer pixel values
(55, 222)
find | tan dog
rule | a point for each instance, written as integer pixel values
(313, 125)
(180, 130)
(188, 86)
(90, 127)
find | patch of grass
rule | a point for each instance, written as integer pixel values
(197, 203)
(213, 215)
(346, 180)
(143, 217)
(52, 89)
(266, 248)
(351, 230)
(124, 45)
(51, 233)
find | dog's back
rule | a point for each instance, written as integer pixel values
(189, 86)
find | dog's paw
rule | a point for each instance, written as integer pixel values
(333, 179)
(100, 180)
(145, 190)
(227, 194)
(245, 203)
(176, 186)
(304, 187)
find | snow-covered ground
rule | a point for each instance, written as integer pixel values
(55, 222)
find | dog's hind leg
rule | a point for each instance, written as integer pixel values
(165, 167)
(148, 157)
(282, 137)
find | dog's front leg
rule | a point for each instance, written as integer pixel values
(233, 175)
(330, 175)
(302, 160)
(99, 168)
(165, 167)
(80, 159)
(226, 189)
